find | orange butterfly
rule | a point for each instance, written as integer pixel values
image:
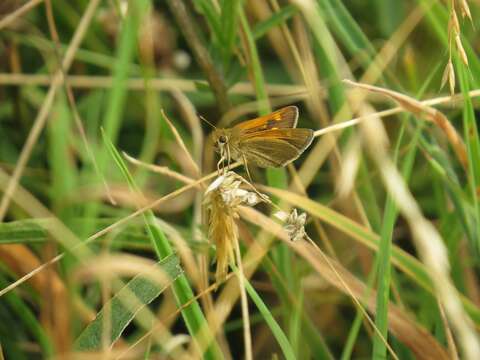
(267, 141)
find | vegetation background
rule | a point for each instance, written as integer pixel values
(99, 117)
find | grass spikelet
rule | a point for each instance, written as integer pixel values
(449, 76)
(222, 231)
(465, 10)
(454, 40)
(294, 224)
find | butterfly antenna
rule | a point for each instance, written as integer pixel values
(208, 122)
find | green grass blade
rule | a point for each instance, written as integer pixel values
(357, 322)
(385, 253)
(192, 314)
(206, 8)
(63, 169)
(347, 28)
(143, 289)
(126, 52)
(312, 336)
(350, 33)
(255, 66)
(229, 26)
(270, 320)
(277, 19)
(473, 146)
(23, 232)
(401, 259)
(117, 95)
(27, 318)
(390, 14)
(386, 235)
(275, 177)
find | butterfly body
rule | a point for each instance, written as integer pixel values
(268, 141)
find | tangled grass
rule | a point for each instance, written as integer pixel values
(113, 213)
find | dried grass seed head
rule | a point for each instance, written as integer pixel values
(222, 198)
(294, 224)
(232, 195)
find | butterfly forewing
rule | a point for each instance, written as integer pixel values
(281, 119)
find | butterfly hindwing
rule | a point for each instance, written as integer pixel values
(275, 148)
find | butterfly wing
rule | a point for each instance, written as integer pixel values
(275, 148)
(283, 118)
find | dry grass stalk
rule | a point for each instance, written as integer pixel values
(429, 113)
(10, 18)
(190, 116)
(107, 266)
(164, 170)
(171, 316)
(244, 301)
(71, 98)
(416, 337)
(63, 235)
(190, 31)
(26, 200)
(452, 348)
(155, 83)
(429, 244)
(349, 167)
(180, 142)
(222, 231)
(21, 260)
(42, 115)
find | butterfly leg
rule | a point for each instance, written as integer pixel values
(262, 196)
(218, 165)
(245, 165)
(229, 157)
(221, 162)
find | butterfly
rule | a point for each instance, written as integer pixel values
(267, 141)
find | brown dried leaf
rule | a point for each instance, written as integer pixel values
(21, 260)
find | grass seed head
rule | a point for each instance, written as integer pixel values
(449, 76)
(294, 224)
(461, 50)
(222, 199)
(453, 23)
(465, 9)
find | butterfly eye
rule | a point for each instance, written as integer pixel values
(222, 139)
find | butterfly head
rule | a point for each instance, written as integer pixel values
(221, 139)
